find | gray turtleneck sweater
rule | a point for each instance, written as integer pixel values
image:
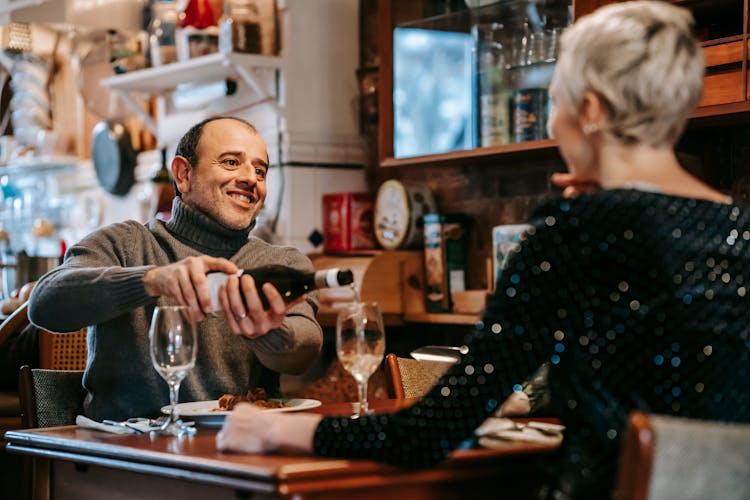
(100, 285)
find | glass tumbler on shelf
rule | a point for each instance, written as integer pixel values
(360, 345)
(173, 345)
(162, 32)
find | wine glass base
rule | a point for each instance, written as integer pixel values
(178, 428)
(356, 413)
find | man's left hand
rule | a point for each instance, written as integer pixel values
(244, 310)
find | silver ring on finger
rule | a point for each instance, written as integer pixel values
(240, 317)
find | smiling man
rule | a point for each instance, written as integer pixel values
(113, 279)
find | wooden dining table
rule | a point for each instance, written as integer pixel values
(77, 463)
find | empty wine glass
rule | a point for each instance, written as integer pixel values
(174, 346)
(360, 345)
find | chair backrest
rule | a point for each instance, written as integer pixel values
(57, 351)
(63, 351)
(50, 397)
(17, 321)
(668, 458)
(409, 378)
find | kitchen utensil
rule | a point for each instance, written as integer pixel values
(112, 151)
(113, 156)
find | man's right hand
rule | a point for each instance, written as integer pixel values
(185, 281)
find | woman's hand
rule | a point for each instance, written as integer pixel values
(572, 185)
(249, 429)
(185, 281)
(240, 300)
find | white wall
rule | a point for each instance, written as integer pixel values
(320, 143)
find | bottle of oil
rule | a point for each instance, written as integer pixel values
(246, 34)
(161, 206)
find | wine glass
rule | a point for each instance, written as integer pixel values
(174, 346)
(360, 345)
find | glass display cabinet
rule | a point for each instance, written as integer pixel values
(448, 69)
(476, 77)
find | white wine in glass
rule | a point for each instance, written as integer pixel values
(360, 345)
(174, 346)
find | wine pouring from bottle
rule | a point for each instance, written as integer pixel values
(290, 283)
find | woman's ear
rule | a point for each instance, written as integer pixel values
(593, 112)
(181, 172)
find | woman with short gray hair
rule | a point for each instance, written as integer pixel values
(642, 61)
(633, 288)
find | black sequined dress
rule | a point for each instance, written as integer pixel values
(636, 299)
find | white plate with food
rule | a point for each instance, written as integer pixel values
(209, 414)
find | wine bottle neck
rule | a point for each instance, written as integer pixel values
(326, 278)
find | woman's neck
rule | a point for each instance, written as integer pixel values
(624, 166)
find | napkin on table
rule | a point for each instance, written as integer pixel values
(495, 431)
(139, 426)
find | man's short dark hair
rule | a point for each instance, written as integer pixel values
(188, 145)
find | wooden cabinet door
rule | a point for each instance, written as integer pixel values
(724, 79)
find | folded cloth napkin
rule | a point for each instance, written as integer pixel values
(130, 426)
(494, 432)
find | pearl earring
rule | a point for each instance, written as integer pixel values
(591, 128)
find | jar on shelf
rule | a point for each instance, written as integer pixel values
(532, 65)
(162, 33)
(246, 33)
(197, 33)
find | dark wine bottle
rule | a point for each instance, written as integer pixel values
(291, 283)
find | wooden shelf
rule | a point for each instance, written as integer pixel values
(718, 53)
(726, 89)
(488, 155)
(39, 165)
(447, 318)
(720, 112)
(203, 69)
(161, 81)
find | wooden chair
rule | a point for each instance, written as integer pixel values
(48, 398)
(666, 457)
(63, 351)
(409, 378)
(57, 351)
(10, 411)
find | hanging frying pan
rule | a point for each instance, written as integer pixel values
(113, 156)
(112, 152)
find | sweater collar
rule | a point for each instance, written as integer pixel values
(198, 229)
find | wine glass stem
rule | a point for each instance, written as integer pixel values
(174, 390)
(363, 409)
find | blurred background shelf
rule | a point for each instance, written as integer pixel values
(199, 75)
(394, 279)
(203, 69)
(39, 166)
